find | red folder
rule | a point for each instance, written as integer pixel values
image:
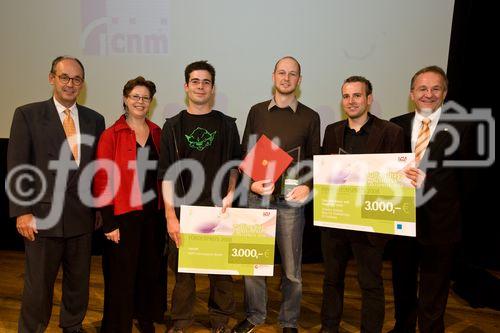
(265, 160)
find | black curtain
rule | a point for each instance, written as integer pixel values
(471, 68)
(472, 65)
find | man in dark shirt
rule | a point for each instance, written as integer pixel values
(295, 128)
(210, 138)
(360, 133)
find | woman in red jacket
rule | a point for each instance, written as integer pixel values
(127, 189)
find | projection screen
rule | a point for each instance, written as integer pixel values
(386, 41)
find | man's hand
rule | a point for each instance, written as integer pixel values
(113, 236)
(26, 226)
(173, 225)
(174, 230)
(227, 202)
(263, 187)
(416, 176)
(298, 193)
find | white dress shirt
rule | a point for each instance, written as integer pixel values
(417, 123)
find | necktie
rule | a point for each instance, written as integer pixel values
(424, 135)
(70, 130)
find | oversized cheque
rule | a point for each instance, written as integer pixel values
(365, 192)
(238, 242)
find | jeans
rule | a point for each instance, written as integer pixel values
(289, 231)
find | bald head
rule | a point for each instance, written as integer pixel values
(286, 57)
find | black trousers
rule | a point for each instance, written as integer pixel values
(336, 250)
(44, 255)
(220, 302)
(422, 270)
(134, 272)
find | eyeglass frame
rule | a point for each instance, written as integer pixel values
(77, 81)
(137, 98)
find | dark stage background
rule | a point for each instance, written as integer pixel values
(471, 67)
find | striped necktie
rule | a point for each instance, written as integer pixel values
(424, 135)
(70, 130)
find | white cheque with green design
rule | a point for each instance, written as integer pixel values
(365, 192)
(238, 242)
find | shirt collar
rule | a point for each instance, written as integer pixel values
(60, 108)
(293, 104)
(433, 117)
(365, 128)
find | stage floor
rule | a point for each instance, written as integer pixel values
(459, 316)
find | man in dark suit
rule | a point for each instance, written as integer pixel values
(360, 133)
(438, 215)
(55, 223)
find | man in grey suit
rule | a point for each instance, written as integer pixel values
(39, 133)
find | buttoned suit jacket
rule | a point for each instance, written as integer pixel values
(439, 218)
(36, 138)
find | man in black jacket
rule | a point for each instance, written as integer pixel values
(360, 133)
(210, 138)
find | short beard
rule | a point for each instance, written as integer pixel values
(360, 114)
(285, 93)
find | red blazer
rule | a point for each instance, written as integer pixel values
(118, 146)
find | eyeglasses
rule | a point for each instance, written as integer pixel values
(137, 98)
(77, 81)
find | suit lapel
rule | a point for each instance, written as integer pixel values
(375, 136)
(441, 139)
(339, 137)
(52, 125)
(407, 125)
(437, 141)
(87, 127)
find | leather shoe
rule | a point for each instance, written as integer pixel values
(244, 327)
(290, 330)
